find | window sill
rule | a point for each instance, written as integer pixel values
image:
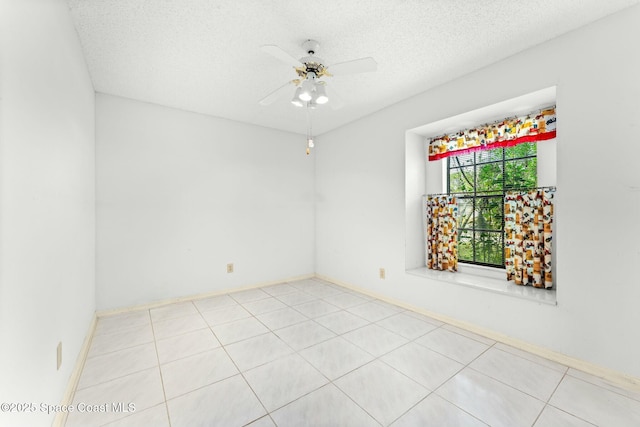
(491, 284)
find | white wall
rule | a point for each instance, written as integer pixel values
(47, 204)
(360, 217)
(180, 195)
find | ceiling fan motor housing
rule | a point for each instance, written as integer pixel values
(310, 46)
(312, 64)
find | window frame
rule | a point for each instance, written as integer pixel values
(477, 194)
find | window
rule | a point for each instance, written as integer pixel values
(480, 180)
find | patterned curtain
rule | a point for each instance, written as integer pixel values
(528, 237)
(442, 233)
(538, 126)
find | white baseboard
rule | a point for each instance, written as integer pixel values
(160, 303)
(618, 378)
(67, 398)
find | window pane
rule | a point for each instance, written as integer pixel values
(462, 160)
(521, 173)
(489, 155)
(484, 176)
(465, 212)
(489, 177)
(461, 180)
(465, 245)
(520, 150)
(489, 213)
(488, 247)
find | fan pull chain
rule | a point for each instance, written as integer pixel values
(309, 131)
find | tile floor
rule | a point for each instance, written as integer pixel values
(310, 353)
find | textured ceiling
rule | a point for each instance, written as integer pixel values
(204, 55)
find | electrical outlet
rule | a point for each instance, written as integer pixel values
(59, 355)
(383, 274)
(230, 268)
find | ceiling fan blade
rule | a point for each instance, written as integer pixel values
(362, 65)
(280, 54)
(276, 94)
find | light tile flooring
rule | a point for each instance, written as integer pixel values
(310, 353)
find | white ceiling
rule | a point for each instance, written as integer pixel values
(204, 55)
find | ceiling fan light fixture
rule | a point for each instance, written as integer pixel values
(305, 96)
(305, 90)
(320, 94)
(296, 98)
(314, 96)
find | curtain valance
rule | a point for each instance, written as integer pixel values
(537, 126)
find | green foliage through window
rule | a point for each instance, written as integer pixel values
(480, 180)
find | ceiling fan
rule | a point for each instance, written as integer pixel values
(311, 89)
